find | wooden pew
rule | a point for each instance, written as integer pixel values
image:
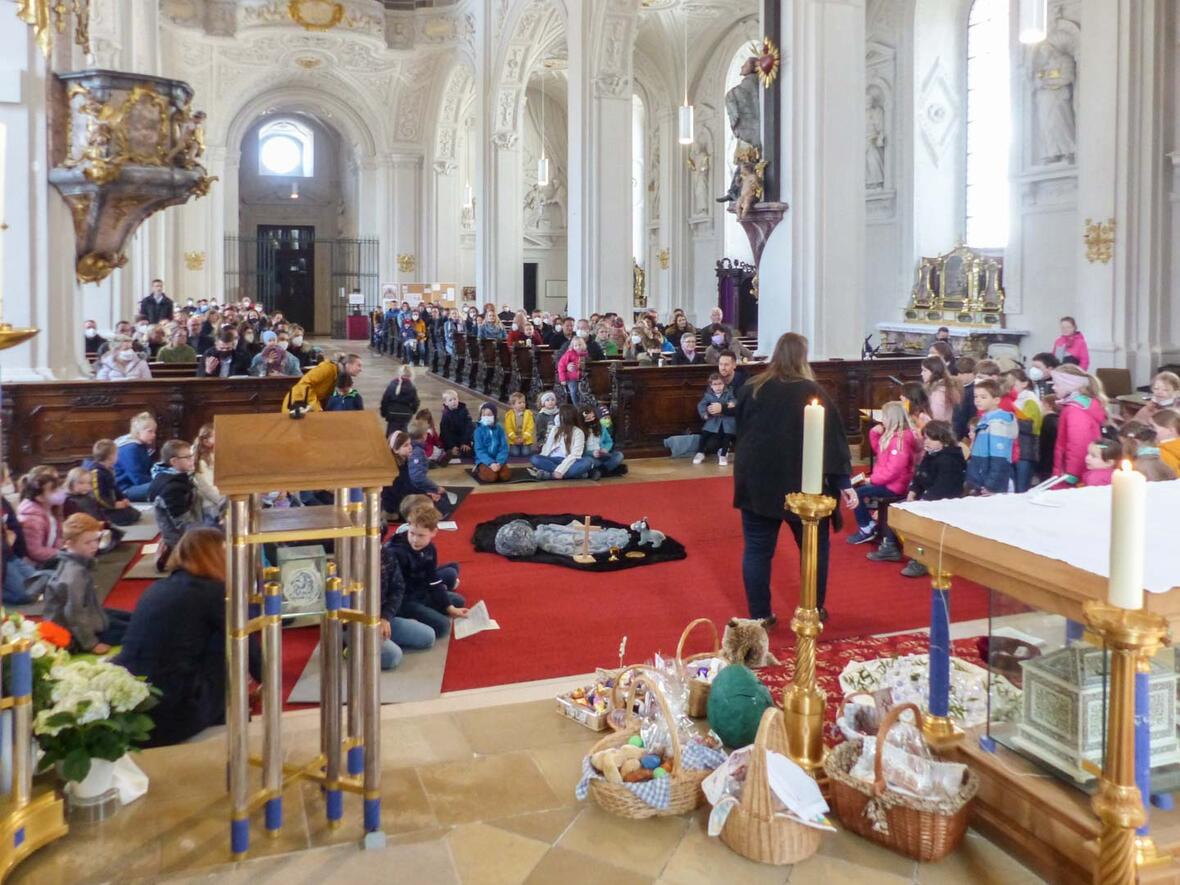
(489, 358)
(57, 422)
(544, 372)
(173, 370)
(459, 363)
(474, 357)
(502, 371)
(654, 403)
(520, 379)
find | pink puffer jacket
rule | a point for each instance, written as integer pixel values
(894, 465)
(1081, 422)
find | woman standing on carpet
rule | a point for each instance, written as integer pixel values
(769, 466)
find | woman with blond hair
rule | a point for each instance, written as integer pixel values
(176, 639)
(769, 466)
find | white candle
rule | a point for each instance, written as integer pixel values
(813, 448)
(1128, 533)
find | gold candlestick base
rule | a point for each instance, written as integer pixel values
(11, 336)
(940, 732)
(1128, 635)
(803, 701)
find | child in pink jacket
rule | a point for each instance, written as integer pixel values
(569, 367)
(897, 450)
(1082, 417)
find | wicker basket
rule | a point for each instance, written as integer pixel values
(925, 830)
(686, 792)
(753, 829)
(698, 689)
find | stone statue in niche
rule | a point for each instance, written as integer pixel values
(699, 161)
(1054, 87)
(743, 105)
(534, 207)
(653, 181)
(874, 139)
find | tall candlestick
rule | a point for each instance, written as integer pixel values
(813, 448)
(1128, 532)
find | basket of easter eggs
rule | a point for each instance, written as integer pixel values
(623, 760)
(698, 670)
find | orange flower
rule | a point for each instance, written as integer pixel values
(54, 634)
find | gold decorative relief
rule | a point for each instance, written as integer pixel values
(316, 15)
(1099, 239)
(665, 258)
(49, 17)
(194, 260)
(95, 267)
(406, 263)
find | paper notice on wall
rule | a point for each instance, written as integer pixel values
(477, 621)
(451, 293)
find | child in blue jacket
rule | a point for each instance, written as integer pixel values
(989, 470)
(491, 447)
(133, 464)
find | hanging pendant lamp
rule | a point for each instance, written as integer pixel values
(686, 113)
(1034, 21)
(543, 163)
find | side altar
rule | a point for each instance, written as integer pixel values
(962, 290)
(1046, 562)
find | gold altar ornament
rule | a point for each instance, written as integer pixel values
(1099, 240)
(767, 61)
(316, 15)
(638, 285)
(665, 258)
(406, 263)
(194, 260)
(47, 17)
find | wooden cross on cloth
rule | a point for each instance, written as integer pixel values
(584, 557)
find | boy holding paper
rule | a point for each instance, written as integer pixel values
(430, 596)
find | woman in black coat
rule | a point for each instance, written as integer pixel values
(769, 466)
(176, 639)
(400, 401)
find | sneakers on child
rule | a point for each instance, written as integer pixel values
(914, 569)
(537, 473)
(863, 535)
(887, 552)
(698, 458)
(722, 460)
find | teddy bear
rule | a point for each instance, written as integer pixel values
(615, 762)
(745, 642)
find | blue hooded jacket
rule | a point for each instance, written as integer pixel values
(133, 464)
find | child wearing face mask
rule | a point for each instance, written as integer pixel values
(546, 413)
(939, 475)
(41, 499)
(456, 429)
(1165, 394)
(520, 426)
(491, 447)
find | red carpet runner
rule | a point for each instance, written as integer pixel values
(557, 622)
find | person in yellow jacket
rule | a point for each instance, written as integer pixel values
(319, 383)
(520, 427)
(1166, 424)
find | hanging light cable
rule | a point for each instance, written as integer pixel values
(686, 124)
(1034, 20)
(543, 163)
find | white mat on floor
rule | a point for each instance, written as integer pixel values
(418, 678)
(144, 530)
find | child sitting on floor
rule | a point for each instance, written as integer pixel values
(80, 499)
(716, 410)
(397, 491)
(546, 412)
(1166, 424)
(430, 588)
(346, 398)
(432, 445)
(456, 429)
(520, 427)
(989, 471)
(491, 447)
(600, 445)
(116, 509)
(133, 463)
(1139, 444)
(417, 465)
(939, 475)
(1101, 459)
(173, 493)
(896, 448)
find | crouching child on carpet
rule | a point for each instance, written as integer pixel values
(939, 475)
(430, 596)
(115, 507)
(456, 429)
(990, 469)
(716, 409)
(491, 447)
(600, 445)
(897, 449)
(71, 600)
(173, 494)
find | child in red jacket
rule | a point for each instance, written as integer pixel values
(569, 367)
(1082, 410)
(897, 450)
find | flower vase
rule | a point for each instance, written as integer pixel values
(96, 786)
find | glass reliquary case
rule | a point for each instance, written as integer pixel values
(964, 287)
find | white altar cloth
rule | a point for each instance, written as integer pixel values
(1072, 526)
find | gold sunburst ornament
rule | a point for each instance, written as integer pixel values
(1099, 240)
(316, 15)
(767, 59)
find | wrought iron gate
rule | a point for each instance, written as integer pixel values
(251, 269)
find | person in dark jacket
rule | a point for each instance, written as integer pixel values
(770, 465)
(939, 475)
(176, 640)
(174, 495)
(80, 499)
(156, 307)
(582, 330)
(116, 508)
(430, 594)
(17, 565)
(400, 401)
(346, 398)
(397, 633)
(456, 430)
(224, 359)
(92, 339)
(133, 461)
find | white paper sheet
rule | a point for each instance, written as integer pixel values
(477, 621)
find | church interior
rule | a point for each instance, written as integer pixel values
(493, 441)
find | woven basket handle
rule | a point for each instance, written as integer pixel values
(716, 646)
(756, 797)
(890, 720)
(644, 675)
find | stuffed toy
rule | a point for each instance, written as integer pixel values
(745, 642)
(737, 701)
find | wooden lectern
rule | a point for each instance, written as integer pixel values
(347, 453)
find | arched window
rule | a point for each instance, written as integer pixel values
(735, 241)
(989, 124)
(286, 148)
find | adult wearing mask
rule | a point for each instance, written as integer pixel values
(248, 340)
(223, 360)
(176, 640)
(91, 338)
(156, 307)
(582, 330)
(122, 363)
(299, 350)
(770, 442)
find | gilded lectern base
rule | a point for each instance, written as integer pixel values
(37, 824)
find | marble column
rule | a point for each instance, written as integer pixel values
(601, 35)
(442, 252)
(503, 190)
(811, 279)
(405, 222)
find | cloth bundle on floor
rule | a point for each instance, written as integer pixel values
(548, 529)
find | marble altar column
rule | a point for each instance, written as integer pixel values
(811, 278)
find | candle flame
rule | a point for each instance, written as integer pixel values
(815, 401)
(1127, 466)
